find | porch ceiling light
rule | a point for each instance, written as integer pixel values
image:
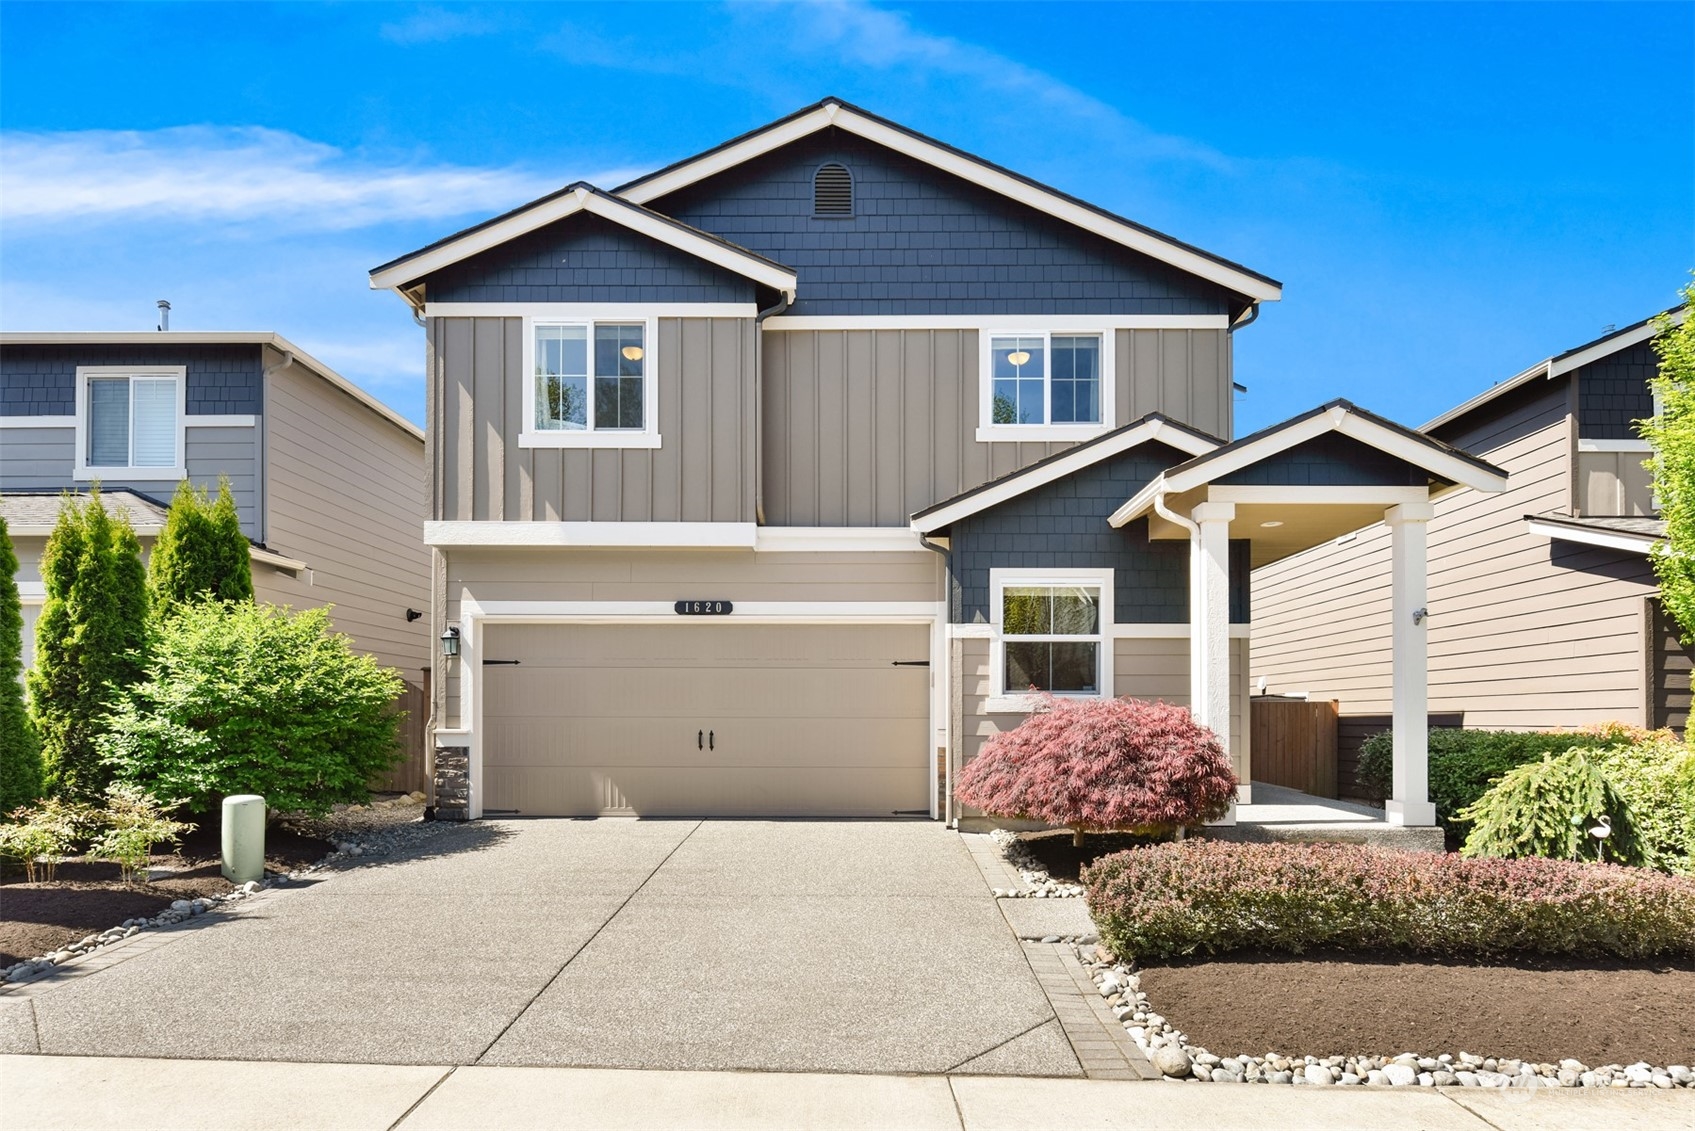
(1272, 523)
(632, 353)
(450, 641)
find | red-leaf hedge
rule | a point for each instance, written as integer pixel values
(1209, 896)
(1103, 764)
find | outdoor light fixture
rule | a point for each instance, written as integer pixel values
(632, 353)
(450, 641)
(1018, 359)
(1272, 523)
(412, 615)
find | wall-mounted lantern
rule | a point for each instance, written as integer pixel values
(450, 641)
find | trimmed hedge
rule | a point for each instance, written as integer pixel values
(1464, 763)
(1211, 897)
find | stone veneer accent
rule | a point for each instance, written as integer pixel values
(453, 783)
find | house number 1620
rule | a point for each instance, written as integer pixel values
(704, 608)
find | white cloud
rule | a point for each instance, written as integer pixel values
(435, 24)
(233, 175)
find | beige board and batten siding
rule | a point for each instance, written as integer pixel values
(534, 575)
(345, 493)
(867, 427)
(1517, 640)
(703, 470)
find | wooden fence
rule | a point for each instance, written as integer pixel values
(1294, 743)
(413, 773)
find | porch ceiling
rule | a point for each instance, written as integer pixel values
(1281, 529)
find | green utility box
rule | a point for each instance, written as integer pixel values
(244, 838)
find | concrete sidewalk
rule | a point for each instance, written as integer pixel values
(53, 1092)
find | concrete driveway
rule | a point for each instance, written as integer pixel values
(845, 946)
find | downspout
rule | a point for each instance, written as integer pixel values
(784, 300)
(1247, 318)
(944, 788)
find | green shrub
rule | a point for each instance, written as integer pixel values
(1201, 896)
(39, 836)
(89, 642)
(1656, 778)
(1547, 808)
(134, 822)
(243, 698)
(20, 754)
(201, 552)
(1464, 763)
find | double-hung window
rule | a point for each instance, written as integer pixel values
(590, 384)
(1045, 385)
(1051, 632)
(130, 422)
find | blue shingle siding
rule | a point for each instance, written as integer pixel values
(1064, 525)
(41, 380)
(1331, 460)
(586, 258)
(1612, 394)
(922, 241)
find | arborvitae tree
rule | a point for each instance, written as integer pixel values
(90, 641)
(20, 755)
(1672, 435)
(200, 553)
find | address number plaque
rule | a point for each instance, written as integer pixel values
(704, 608)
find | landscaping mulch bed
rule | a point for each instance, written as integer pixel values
(1063, 860)
(1542, 1010)
(88, 896)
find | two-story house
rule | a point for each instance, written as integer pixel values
(1543, 609)
(329, 481)
(775, 481)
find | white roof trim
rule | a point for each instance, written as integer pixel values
(211, 337)
(1021, 482)
(1589, 536)
(1336, 418)
(582, 199)
(276, 560)
(620, 535)
(978, 172)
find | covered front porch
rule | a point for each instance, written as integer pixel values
(1287, 489)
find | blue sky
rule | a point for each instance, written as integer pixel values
(1449, 192)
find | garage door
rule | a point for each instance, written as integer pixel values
(704, 718)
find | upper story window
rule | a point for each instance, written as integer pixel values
(832, 191)
(1045, 386)
(130, 422)
(589, 384)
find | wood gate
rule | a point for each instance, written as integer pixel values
(1294, 743)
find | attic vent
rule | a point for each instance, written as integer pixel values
(832, 191)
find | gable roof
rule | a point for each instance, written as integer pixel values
(1439, 460)
(846, 116)
(1561, 363)
(213, 338)
(1154, 426)
(568, 201)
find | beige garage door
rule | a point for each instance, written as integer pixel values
(706, 718)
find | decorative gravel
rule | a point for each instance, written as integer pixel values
(1041, 885)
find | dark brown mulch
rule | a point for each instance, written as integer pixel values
(1063, 861)
(88, 896)
(1538, 1009)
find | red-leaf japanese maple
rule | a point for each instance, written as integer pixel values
(1103, 764)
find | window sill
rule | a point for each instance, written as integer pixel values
(588, 440)
(1039, 433)
(87, 474)
(1022, 704)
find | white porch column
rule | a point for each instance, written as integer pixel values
(1209, 617)
(1409, 803)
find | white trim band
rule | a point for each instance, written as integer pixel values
(1590, 536)
(38, 421)
(607, 310)
(998, 322)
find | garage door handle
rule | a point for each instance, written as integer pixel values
(700, 740)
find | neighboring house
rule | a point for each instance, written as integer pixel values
(1542, 606)
(329, 482)
(771, 483)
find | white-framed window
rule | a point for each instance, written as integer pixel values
(589, 383)
(1045, 384)
(130, 421)
(1051, 633)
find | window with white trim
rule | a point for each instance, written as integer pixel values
(589, 383)
(130, 421)
(1050, 632)
(1046, 385)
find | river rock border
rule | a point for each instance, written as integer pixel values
(375, 842)
(1030, 870)
(1171, 1052)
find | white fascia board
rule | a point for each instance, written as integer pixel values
(1612, 345)
(1083, 323)
(582, 200)
(798, 612)
(1022, 482)
(836, 539)
(618, 535)
(1433, 460)
(1246, 455)
(590, 310)
(275, 560)
(1139, 503)
(38, 421)
(32, 592)
(971, 170)
(1589, 536)
(1540, 369)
